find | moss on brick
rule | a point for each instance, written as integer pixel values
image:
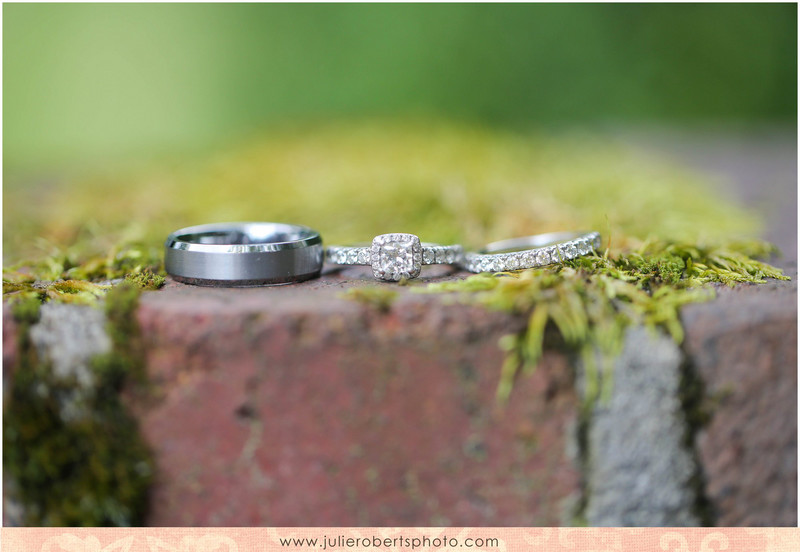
(93, 470)
(590, 300)
(146, 279)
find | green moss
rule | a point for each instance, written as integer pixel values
(80, 272)
(26, 312)
(87, 470)
(125, 361)
(146, 279)
(80, 291)
(64, 291)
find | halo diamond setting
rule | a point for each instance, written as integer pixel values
(396, 256)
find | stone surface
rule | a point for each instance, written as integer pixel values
(290, 406)
(744, 346)
(639, 470)
(67, 337)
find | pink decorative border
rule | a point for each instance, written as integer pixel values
(400, 540)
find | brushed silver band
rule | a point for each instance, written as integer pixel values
(531, 251)
(243, 254)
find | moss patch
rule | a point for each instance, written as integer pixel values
(145, 279)
(91, 470)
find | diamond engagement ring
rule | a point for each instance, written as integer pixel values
(531, 251)
(395, 256)
(243, 254)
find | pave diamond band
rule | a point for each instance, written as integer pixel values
(394, 257)
(531, 251)
(431, 254)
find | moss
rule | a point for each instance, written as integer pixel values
(91, 470)
(64, 291)
(688, 264)
(126, 360)
(76, 273)
(26, 313)
(146, 279)
(80, 292)
(380, 298)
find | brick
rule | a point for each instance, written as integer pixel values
(291, 406)
(744, 347)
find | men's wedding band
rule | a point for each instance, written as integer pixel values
(394, 257)
(531, 251)
(243, 254)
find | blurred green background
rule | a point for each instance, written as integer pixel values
(89, 82)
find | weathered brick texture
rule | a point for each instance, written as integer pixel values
(744, 346)
(293, 407)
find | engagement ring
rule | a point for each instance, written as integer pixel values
(395, 256)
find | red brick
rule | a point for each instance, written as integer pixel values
(744, 345)
(289, 406)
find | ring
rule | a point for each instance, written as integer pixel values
(395, 256)
(243, 254)
(531, 251)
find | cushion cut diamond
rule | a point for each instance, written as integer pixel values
(396, 256)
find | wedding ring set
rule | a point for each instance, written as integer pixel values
(268, 253)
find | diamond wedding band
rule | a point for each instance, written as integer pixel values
(395, 256)
(243, 254)
(531, 251)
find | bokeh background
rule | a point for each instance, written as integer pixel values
(89, 82)
(123, 122)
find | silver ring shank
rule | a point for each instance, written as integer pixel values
(243, 254)
(531, 251)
